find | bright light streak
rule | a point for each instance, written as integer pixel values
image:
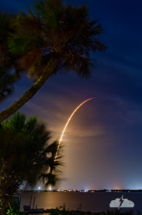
(69, 121)
(39, 188)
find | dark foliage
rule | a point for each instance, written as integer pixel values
(25, 155)
(50, 37)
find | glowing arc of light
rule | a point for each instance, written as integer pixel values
(69, 121)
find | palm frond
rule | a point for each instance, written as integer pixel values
(49, 179)
(7, 80)
(52, 29)
(24, 147)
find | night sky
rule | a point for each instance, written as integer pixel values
(103, 142)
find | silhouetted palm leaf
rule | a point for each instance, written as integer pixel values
(7, 79)
(61, 31)
(50, 37)
(24, 150)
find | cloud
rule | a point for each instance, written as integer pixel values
(55, 114)
(126, 203)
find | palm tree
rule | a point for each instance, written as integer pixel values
(7, 77)
(25, 156)
(49, 37)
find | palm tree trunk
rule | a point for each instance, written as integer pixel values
(30, 92)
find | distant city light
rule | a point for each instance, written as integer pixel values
(89, 191)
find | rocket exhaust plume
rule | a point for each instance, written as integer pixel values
(68, 123)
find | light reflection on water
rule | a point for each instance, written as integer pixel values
(94, 202)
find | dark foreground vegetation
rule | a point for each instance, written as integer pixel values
(63, 211)
(25, 157)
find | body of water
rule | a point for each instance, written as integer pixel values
(94, 202)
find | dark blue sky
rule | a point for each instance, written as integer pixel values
(103, 142)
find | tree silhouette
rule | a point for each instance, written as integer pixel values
(48, 38)
(25, 156)
(7, 76)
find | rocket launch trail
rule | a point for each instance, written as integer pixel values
(69, 121)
